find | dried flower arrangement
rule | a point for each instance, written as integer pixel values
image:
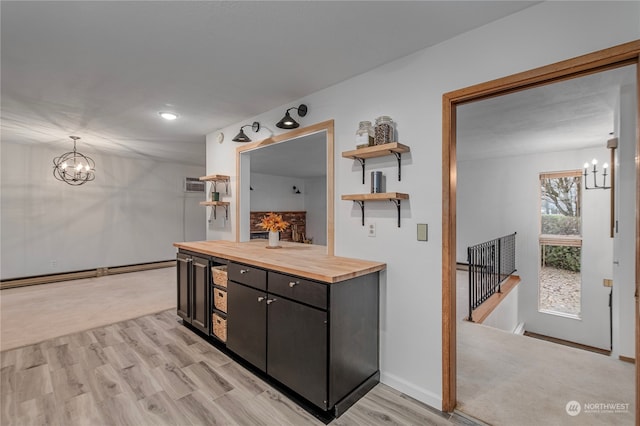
(273, 222)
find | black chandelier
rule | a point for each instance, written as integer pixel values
(73, 167)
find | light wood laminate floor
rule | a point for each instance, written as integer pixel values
(154, 371)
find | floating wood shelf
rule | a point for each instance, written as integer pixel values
(393, 148)
(377, 150)
(378, 196)
(214, 205)
(394, 197)
(214, 179)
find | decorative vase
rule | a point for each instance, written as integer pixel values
(274, 238)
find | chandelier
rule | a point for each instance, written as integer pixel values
(73, 167)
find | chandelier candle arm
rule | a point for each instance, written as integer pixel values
(594, 171)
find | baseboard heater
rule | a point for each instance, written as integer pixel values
(89, 273)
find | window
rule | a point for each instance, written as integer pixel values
(560, 243)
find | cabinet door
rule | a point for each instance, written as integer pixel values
(246, 323)
(297, 348)
(200, 295)
(183, 290)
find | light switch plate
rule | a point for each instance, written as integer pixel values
(423, 232)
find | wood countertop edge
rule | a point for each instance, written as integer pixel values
(371, 266)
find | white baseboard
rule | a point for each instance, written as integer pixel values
(412, 390)
(519, 329)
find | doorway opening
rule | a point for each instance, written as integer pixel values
(587, 64)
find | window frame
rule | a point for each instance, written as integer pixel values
(559, 240)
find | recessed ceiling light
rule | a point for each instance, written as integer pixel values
(168, 115)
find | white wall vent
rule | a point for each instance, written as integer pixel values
(193, 185)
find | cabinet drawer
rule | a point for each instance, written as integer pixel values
(299, 289)
(220, 299)
(254, 277)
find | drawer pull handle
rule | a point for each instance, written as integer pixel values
(270, 301)
(293, 283)
(260, 299)
(220, 294)
(244, 271)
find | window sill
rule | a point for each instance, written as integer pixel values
(560, 314)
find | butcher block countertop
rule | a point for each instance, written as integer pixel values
(305, 260)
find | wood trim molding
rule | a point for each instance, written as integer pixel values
(637, 235)
(614, 57)
(483, 311)
(449, 395)
(560, 240)
(627, 359)
(327, 126)
(564, 173)
(569, 343)
(331, 187)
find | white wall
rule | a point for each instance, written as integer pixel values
(505, 315)
(275, 193)
(131, 213)
(315, 202)
(624, 245)
(411, 290)
(491, 201)
(499, 196)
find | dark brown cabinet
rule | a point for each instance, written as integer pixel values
(246, 328)
(295, 352)
(306, 334)
(193, 293)
(315, 336)
(297, 348)
(184, 286)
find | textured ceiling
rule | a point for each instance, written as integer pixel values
(572, 114)
(103, 70)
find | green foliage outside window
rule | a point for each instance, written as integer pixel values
(561, 257)
(557, 224)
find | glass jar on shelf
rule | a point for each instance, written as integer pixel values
(364, 135)
(384, 131)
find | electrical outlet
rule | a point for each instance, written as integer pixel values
(371, 229)
(54, 263)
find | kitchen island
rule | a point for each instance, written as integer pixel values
(303, 320)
